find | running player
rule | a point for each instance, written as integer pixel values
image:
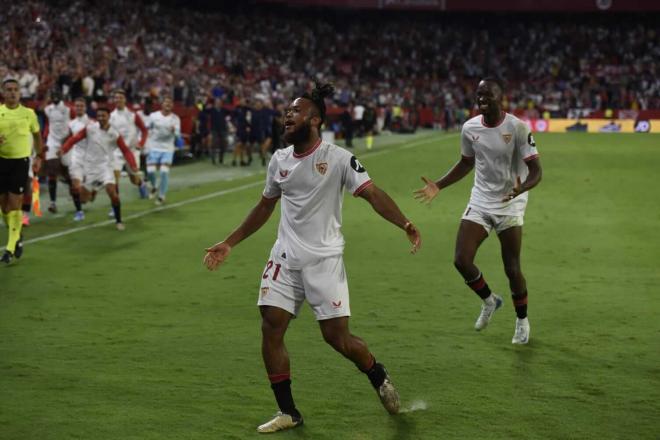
(97, 166)
(76, 171)
(128, 123)
(164, 129)
(306, 260)
(17, 125)
(58, 115)
(507, 167)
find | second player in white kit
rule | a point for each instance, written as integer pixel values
(306, 262)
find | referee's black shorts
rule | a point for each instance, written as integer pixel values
(14, 175)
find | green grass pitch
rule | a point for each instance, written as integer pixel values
(108, 335)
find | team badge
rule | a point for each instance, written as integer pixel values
(322, 167)
(284, 173)
(264, 291)
(507, 137)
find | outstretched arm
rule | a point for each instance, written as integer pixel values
(72, 140)
(385, 206)
(218, 253)
(128, 154)
(456, 173)
(143, 131)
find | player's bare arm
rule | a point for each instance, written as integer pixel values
(218, 253)
(431, 189)
(533, 179)
(388, 209)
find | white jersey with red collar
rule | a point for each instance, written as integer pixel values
(58, 116)
(311, 187)
(500, 154)
(101, 145)
(125, 123)
(75, 126)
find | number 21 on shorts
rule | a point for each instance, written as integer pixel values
(269, 266)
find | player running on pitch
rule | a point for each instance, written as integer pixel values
(97, 167)
(502, 149)
(306, 260)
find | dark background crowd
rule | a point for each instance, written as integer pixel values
(381, 62)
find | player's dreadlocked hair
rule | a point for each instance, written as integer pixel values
(318, 95)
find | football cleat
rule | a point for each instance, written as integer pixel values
(160, 201)
(120, 226)
(79, 216)
(389, 396)
(487, 310)
(521, 335)
(52, 208)
(144, 192)
(18, 252)
(7, 257)
(280, 422)
(152, 193)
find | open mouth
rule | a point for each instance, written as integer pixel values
(288, 125)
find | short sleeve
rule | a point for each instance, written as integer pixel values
(525, 142)
(466, 144)
(34, 123)
(356, 178)
(272, 189)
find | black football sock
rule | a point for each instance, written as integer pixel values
(76, 201)
(117, 210)
(284, 398)
(52, 189)
(479, 286)
(520, 303)
(376, 373)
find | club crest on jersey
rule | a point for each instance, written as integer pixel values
(322, 167)
(507, 137)
(264, 291)
(284, 173)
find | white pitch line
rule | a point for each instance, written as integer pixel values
(207, 196)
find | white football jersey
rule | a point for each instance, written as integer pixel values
(311, 187)
(75, 126)
(101, 145)
(124, 122)
(163, 131)
(58, 116)
(500, 153)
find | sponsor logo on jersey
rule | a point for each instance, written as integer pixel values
(474, 138)
(356, 165)
(337, 304)
(322, 167)
(507, 137)
(284, 173)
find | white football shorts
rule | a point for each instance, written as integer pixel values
(323, 284)
(96, 178)
(120, 161)
(492, 221)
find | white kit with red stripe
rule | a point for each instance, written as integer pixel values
(500, 153)
(311, 186)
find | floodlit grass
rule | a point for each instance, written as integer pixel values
(108, 335)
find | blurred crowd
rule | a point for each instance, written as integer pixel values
(379, 61)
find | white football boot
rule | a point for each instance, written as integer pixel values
(521, 335)
(487, 310)
(389, 396)
(279, 422)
